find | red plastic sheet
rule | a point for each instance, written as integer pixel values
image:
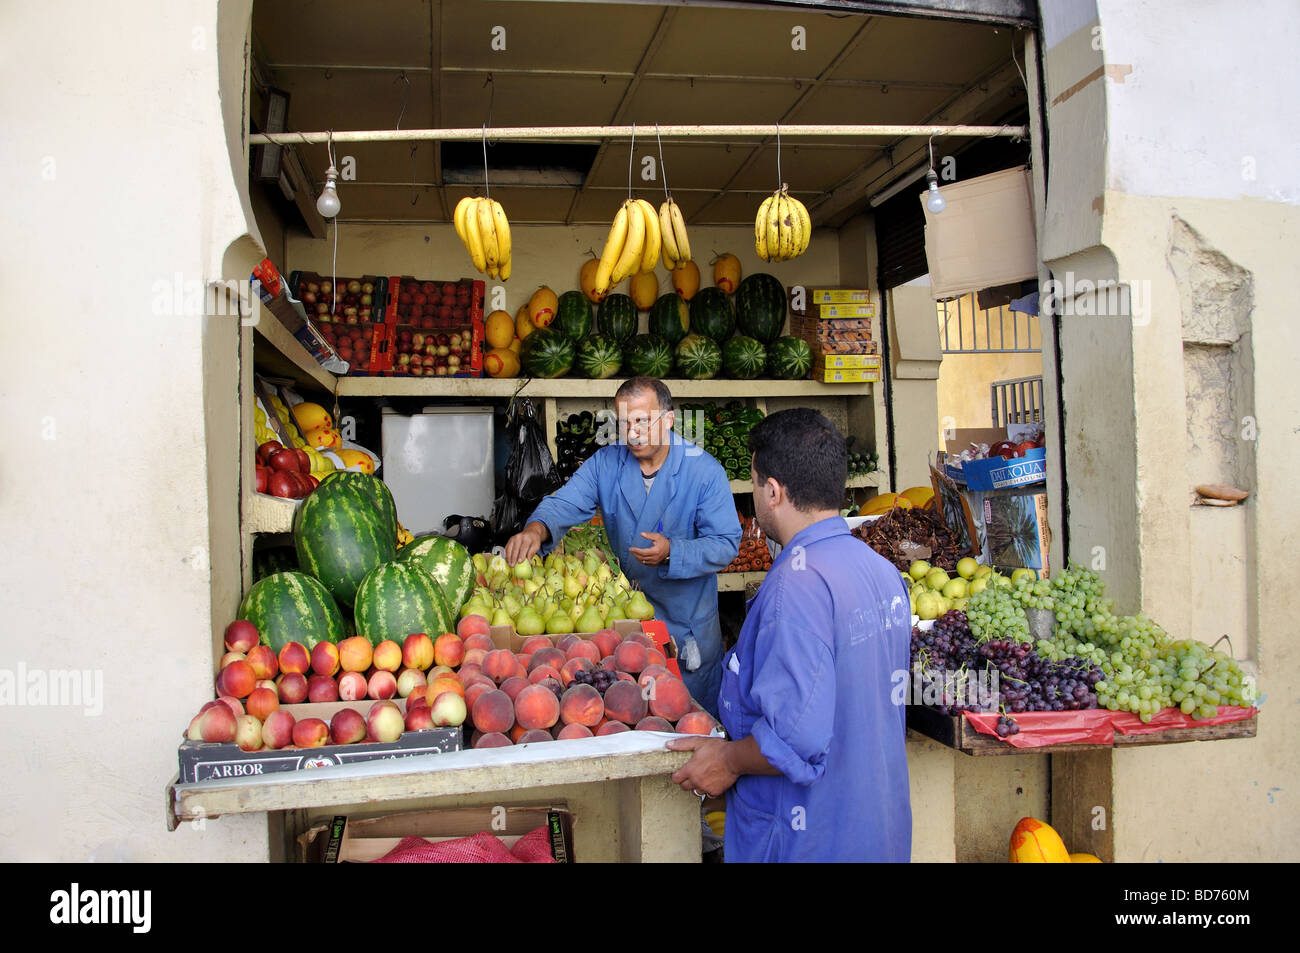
(1094, 726)
(481, 848)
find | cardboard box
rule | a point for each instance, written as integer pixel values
(364, 839)
(1007, 528)
(441, 307)
(984, 237)
(200, 761)
(828, 311)
(999, 473)
(831, 361)
(848, 375)
(275, 295)
(332, 307)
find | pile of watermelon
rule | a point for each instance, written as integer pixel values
(351, 578)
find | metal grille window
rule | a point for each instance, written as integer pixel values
(966, 329)
(1017, 401)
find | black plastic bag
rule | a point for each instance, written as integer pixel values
(530, 471)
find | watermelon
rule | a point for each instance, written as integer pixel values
(398, 599)
(670, 318)
(372, 486)
(743, 357)
(760, 307)
(599, 357)
(648, 355)
(616, 318)
(274, 559)
(573, 316)
(789, 358)
(447, 561)
(698, 357)
(343, 530)
(546, 353)
(711, 314)
(292, 607)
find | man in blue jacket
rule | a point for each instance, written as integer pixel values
(816, 768)
(671, 520)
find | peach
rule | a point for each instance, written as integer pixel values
(385, 721)
(248, 733)
(241, 635)
(573, 667)
(650, 673)
(353, 687)
(449, 650)
(417, 651)
(669, 698)
(262, 659)
(294, 657)
(480, 642)
(475, 657)
(624, 676)
(233, 703)
(267, 683)
(493, 739)
(310, 733)
(292, 688)
(607, 640)
(641, 638)
(322, 688)
(325, 658)
(217, 725)
(656, 657)
(554, 684)
(408, 679)
(417, 697)
(468, 669)
(493, 711)
(437, 670)
(474, 625)
(514, 685)
(543, 672)
(585, 648)
(575, 730)
(230, 657)
(479, 679)
(516, 733)
(473, 692)
(445, 683)
(653, 723)
(533, 643)
(537, 707)
(607, 663)
(356, 654)
(448, 710)
(347, 727)
(238, 679)
(383, 684)
(418, 719)
(565, 642)
(624, 701)
(277, 730)
(387, 656)
(536, 734)
(262, 702)
(695, 723)
(499, 665)
(612, 728)
(581, 704)
(195, 731)
(549, 657)
(631, 656)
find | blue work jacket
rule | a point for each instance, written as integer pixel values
(690, 503)
(810, 679)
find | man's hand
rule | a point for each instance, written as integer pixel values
(707, 772)
(525, 543)
(653, 554)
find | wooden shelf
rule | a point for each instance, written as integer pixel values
(277, 352)
(737, 581)
(574, 387)
(269, 514)
(852, 483)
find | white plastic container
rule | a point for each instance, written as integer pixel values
(437, 463)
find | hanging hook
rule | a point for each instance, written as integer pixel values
(631, 154)
(487, 190)
(662, 174)
(778, 155)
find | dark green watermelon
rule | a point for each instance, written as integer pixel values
(760, 307)
(546, 353)
(711, 314)
(743, 357)
(573, 316)
(670, 318)
(789, 358)
(292, 607)
(599, 357)
(399, 599)
(370, 485)
(648, 355)
(343, 530)
(616, 318)
(447, 561)
(273, 559)
(698, 357)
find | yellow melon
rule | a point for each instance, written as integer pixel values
(516, 344)
(541, 307)
(356, 458)
(726, 272)
(499, 329)
(501, 362)
(1033, 842)
(883, 503)
(919, 496)
(311, 416)
(1084, 859)
(644, 289)
(523, 323)
(587, 280)
(686, 279)
(324, 438)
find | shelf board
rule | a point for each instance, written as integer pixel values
(275, 350)
(575, 387)
(735, 581)
(852, 483)
(270, 514)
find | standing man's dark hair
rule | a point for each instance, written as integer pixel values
(805, 453)
(637, 385)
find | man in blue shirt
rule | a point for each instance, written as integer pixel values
(671, 521)
(816, 768)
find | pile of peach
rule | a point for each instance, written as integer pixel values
(265, 725)
(538, 694)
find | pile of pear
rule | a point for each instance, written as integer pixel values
(555, 595)
(933, 592)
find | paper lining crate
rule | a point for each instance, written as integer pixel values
(830, 303)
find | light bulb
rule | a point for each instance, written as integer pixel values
(934, 200)
(328, 203)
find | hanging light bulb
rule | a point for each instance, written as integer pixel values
(934, 200)
(328, 204)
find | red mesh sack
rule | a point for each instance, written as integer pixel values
(480, 848)
(534, 847)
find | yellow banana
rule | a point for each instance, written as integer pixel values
(613, 250)
(492, 270)
(505, 270)
(474, 241)
(649, 254)
(487, 231)
(773, 231)
(787, 226)
(458, 218)
(760, 230)
(805, 226)
(671, 254)
(679, 232)
(630, 260)
(501, 225)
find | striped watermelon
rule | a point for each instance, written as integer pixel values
(343, 530)
(648, 355)
(398, 599)
(274, 559)
(573, 316)
(370, 484)
(743, 357)
(292, 607)
(789, 358)
(670, 318)
(616, 318)
(599, 357)
(711, 314)
(447, 561)
(698, 357)
(547, 353)
(760, 307)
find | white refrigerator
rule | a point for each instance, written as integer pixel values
(439, 462)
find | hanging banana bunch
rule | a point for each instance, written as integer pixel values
(782, 227)
(633, 245)
(482, 225)
(676, 247)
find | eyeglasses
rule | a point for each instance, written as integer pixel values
(641, 424)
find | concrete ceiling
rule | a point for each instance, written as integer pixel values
(433, 62)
